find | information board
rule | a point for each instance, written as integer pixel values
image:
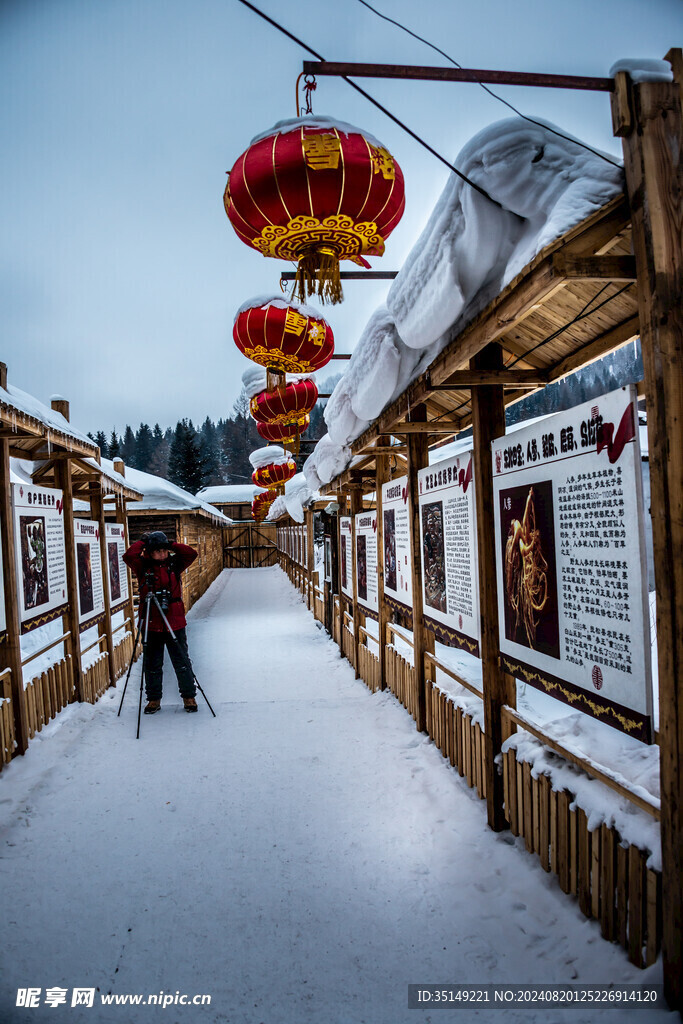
(570, 550)
(398, 584)
(40, 554)
(88, 572)
(448, 537)
(116, 567)
(345, 556)
(366, 560)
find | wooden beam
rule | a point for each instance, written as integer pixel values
(435, 427)
(426, 73)
(596, 349)
(488, 422)
(423, 638)
(73, 644)
(104, 627)
(382, 475)
(10, 650)
(595, 268)
(653, 164)
(505, 378)
(356, 507)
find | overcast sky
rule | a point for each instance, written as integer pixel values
(119, 272)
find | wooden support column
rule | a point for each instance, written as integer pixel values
(356, 507)
(104, 626)
(341, 498)
(310, 555)
(423, 638)
(121, 516)
(384, 615)
(488, 422)
(10, 650)
(73, 644)
(648, 118)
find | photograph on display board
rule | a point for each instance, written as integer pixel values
(34, 561)
(530, 569)
(362, 567)
(328, 558)
(85, 586)
(114, 574)
(344, 578)
(390, 548)
(433, 556)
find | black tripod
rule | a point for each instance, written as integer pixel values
(150, 597)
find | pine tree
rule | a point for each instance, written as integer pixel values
(114, 446)
(144, 444)
(101, 442)
(185, 460)
(129, 448)
(158, 463)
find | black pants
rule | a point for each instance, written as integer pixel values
(154, 663)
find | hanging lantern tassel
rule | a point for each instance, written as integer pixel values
(318, 273)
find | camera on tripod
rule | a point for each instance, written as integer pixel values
(162, 594)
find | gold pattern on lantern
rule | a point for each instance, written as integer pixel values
(383, 162)
(304, 233)
(295, 322)
(316, 334)
(322, 152)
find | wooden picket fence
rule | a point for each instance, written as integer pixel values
(96, 678)
(368, 663)
(48, 693)
(6, 718)
(123, 652)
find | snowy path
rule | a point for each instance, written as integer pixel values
(301, 858)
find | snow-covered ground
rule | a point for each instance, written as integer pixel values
(301, 858)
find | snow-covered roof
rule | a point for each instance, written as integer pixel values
(227, 494)
(163, 495)
(14, 399)
(468, 252)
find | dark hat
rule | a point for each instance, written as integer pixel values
(157, 540)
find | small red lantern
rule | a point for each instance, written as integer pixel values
(283, 433)
(275, 474)
(283, 336)
(261, 504)
(292, 403)
(316, 191)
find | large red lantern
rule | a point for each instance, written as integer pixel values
(315, 191)
(283, 336)
(275, 474)
(282, 433)
(292, 403)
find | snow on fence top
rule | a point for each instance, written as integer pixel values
(467, 253)
(18, 401)
(163, 495)
(228, 494)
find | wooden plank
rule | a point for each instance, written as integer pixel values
(506, 784)
(423, 638)
(563, 850)
(583, 881)
(598, 347)
(528, 808)
(554, 862)
(653, 164)
(653, 883)
(458, 741)
(544, 821)
(10, 650)
(596, 871)
(573, 853)
(474, 378)
(607, 885)
(512, 791)
(595, 268)
(622, 886)
(499, 690)
(636, 905)
(520, 798)
(536, 814)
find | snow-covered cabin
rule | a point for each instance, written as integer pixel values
(233, 500)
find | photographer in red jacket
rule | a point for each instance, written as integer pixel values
(158, 563)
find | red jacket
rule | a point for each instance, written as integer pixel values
(166, 577)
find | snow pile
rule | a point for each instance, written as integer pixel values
(255, 380)
(227, 494)
(469, 250)
(17, 399)
(162, 494)
(326, 461)
(322, 121)
(272, 454)
(297, 495)
(263, 301)
(644, 69)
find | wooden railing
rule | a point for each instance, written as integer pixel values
(368, 662)
(6, 717)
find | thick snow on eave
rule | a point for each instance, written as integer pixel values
(468, 252)
(227, 494)
(298, 496)
(22, 402)
(167, 497)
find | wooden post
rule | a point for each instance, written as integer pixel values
(356, 507)
(121, 516)
(488, 421)
(310, 555)
(423, 638)
(10, 650)
(341, 498)
(104, 626)
(383, 614)
(73, 644)
(648, 117)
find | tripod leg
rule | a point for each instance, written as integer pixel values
(132, 657)
(182, 653)
(144, 663)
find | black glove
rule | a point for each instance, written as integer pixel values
(144, 538)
